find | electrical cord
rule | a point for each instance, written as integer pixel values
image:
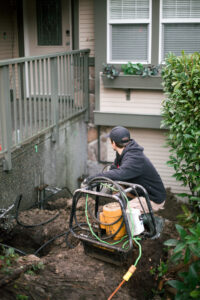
(17, 204)
(94, 234)
(123, 196)
(117, 289)
(117, 242)
(94, 183)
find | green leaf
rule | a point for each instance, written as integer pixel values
(195, 198)
(180, 246)
(181, 231)
(192, 274)
(170, 242)
(195, 294)
(183, 195)
(176, 284)
(187, 256)
(176, 257)
(195, 249)
(197, 188)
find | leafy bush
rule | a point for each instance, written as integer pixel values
(187, 247)
(181, 113)
(188, 286)
(188, 244)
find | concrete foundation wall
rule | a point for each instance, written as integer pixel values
(45, 162)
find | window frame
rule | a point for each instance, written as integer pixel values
(163, 21)
(111, 22)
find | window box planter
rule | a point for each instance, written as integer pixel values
(133, 82)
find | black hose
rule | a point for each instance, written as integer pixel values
(75, 217)
(94, 183)
(56, 237)
(108, 224)
(16, 250)
(48, 242)
(17, 205)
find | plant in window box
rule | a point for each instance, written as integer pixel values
(133, 69)
(151, 71)
(139, 69)
(110, 71)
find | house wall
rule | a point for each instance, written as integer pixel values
(141, 101)
(8, 30)
(86, 25)
(60, 163)
(154, 142)
(30, 30)
(146, 103)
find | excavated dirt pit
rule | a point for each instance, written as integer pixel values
(69, 273)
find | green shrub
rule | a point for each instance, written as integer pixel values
(188, 286)
(181, 113)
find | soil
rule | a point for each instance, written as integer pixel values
(70, 273)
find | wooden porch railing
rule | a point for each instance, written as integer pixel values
(38, 93)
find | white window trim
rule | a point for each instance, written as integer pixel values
(131, 21)
(171, 21)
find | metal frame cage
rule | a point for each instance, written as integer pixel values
(98, 192)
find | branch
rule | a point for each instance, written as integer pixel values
(175, 270)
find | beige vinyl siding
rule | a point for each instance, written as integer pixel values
(141, 101)
(86, 25)
(153, 142)
(8, 31)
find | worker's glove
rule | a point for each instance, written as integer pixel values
(84, 183)
(112, 167)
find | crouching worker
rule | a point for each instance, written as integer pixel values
(131, 165)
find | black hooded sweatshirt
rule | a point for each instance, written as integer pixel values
(133, 166)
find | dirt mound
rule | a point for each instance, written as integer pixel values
(69, 273)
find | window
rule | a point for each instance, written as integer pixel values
(179, 27)
(49, 22)
(129, 31)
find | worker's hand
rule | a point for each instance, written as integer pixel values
(112, 167)
(84, 183)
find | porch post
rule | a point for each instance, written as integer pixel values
(86, 85)
(5, 117)
(54, 97)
